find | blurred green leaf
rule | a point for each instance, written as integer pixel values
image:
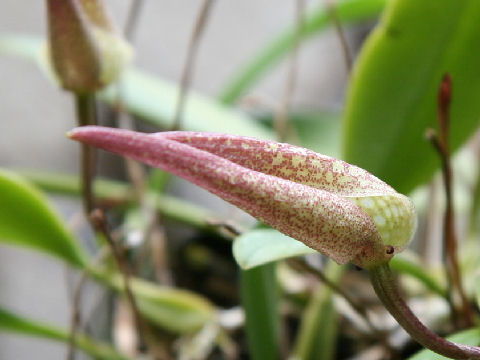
(261, 246)
(150, 98)
(153, 100)
(405, 264)
(316, 339)
(23, 46)
(12, 323)
(27, 219)
(348, 11)
(259, 293)
(466, 337)
(120, 192)
(176, 310)
(392, 95)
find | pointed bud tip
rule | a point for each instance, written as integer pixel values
(79, 133)
(73, 134)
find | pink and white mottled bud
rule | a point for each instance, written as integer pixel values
(336, 208)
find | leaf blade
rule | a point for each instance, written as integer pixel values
(391, 99)
(10, 322)
(347, 11)
(262, 246)
(21, 204)
(148, 97)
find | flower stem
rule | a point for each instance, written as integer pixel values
(86, 115)
(385, 286)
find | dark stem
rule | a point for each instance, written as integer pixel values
(304, 266)
(100, 223)
(75, 316)
(86, 115)
(282, 114)
(386, 288)
(441, 144)
(76, 302)
(347, 56)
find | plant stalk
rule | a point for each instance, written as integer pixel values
(85, 111)
(386, 289)
(442, 145)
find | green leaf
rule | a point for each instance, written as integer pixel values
(404, 264)
(392, 95)
(466, 337)
(153, 100)
(348, 11)
(150, 98)
(27, 219)
(171, 207)
(261, 246)
(176, 310)
(22, 46)
(316, 339)
(12, 323)
(260, 301)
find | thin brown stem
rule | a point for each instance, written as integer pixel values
(86, 115)
(136, 173)
(76, 302)
(187, 73)
(386, 289)
(100, 222)
(442, 146)
(281, 120)
(347, 56)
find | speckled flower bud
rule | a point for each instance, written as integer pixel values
(86, 51)
(336, 208)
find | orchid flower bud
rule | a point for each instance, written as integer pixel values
(86, 51)
(336, 208)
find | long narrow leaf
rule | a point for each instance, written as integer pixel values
(260, 302)
(392, 96)
(120, 192)
(13, 323)
(27, 219)
(148, 97)
(176, 310)
(348, 11)
(316, 339)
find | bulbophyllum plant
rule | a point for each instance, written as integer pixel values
(338, 209)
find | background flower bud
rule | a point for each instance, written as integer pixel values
(86, 51)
